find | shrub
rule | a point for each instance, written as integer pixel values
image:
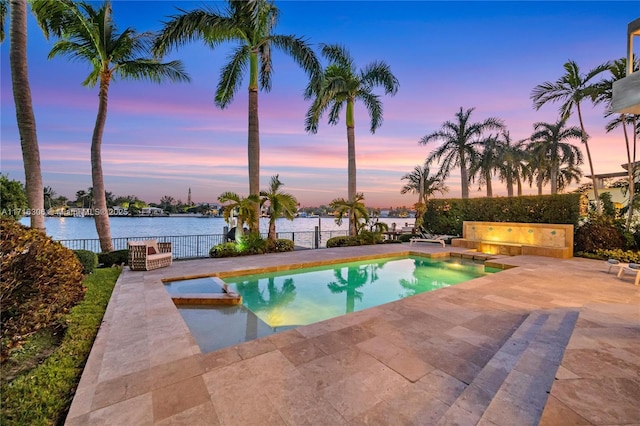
(41, 281)
(598, 233)
(368, 237)
(621, 255)
(342, 241)
(224, 250)
(281, 245)
(88, 259)
(253, 243)
(13, 199)
(445, 216)
(404, 238)
(117, 257)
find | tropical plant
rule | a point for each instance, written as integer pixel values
(24, 107)
(90, 35)
(251, 24)
(488, 162)
(550, 140)
(342, 84)
(458, 149)
(571, 89)
(13, 199)
(422, 183)
(49, 195)
(244, 207)
(619, 69)
(537, 165)
(354, 209)
(280, 204)
(513, 165)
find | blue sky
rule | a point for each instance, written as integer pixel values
(164, 139)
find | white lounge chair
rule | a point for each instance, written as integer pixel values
(425, 237)
(632, 268)
(615, 265)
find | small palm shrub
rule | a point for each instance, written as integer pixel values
(40, 281)
(252, 243)
(88, 259)
(116, 257)
(281, 245)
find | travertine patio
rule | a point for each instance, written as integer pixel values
(482, 352)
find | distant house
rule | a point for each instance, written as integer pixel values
(151, 211)
(384, 213)
(618, 196)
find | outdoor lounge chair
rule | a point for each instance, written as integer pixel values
(426, 237)
(614, 264)
(149, 254)
(632, 268)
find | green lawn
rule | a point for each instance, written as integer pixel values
(41, 394)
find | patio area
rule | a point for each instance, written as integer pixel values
(550, 341)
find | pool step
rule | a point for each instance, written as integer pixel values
(514, 385)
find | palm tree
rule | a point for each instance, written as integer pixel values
(423, 184)
(354, 209)
(551, 140)
(459, 144)
(280, 204)
(342, 84)
(245, 207)
(90, 35)
(618, 71)
(571, 89)
(512, 163)
(568, 174)
(24, 108)
(49, 195)
(251, 24)
(488, 162)
(538, 165)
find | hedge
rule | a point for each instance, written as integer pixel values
(445, 216)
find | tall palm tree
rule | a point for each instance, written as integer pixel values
(551, 139)
(512, 163)
(251, 24)
(422, 183)
(245, 207)
(568, 174)
(459, 144)
(24, 108)
(280, 204)
(488, 162)
(354, 209)
(618, 70)
(90, 35)
(538, 165)
(571, 89)
(340, 85)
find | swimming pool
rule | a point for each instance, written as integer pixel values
(282, 300)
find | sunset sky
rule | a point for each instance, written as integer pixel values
(164, 139)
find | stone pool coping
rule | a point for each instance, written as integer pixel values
(405, 362)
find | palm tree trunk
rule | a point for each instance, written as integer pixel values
(272, 228)
(554, 178)
(351, 152)
(539, 181)
(464, 176)
(510, 186)
(519, 182)
(100, 213)
(489, 186)
(630, 169)
(593, 176)
(24, 112)
(254, 139)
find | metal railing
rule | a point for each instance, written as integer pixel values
(198, 246)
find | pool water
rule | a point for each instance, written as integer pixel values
(283, 300)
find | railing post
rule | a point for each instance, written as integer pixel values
(317, 237)
(225, 231)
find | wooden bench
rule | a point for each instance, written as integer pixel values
(513, 239)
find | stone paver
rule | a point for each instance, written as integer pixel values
(404, 363)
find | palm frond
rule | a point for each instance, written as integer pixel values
(231, 76)
(374, 107)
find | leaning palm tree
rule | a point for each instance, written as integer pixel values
(552, 140)
(244, 207)
(24, 107)
(459, 144)
(280, 204)
(90, 35)
(340, 85)
(251, 24)
(354, 209)
(571, 89)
